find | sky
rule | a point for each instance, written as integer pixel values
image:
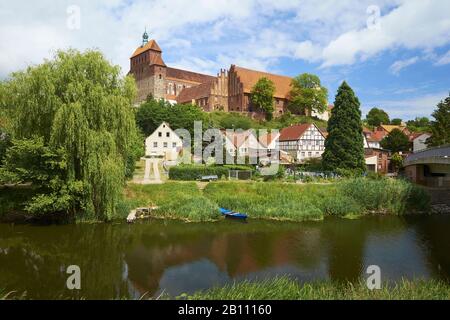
(394, 54)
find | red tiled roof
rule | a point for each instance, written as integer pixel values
(151, 45)
(294, 132)
(196, 92)
(188, 75)
(250, 77)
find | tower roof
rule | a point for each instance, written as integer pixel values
(151, 45)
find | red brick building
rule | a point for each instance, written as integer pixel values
(227, 91)
(154, 77)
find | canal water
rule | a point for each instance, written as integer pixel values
(154, 257)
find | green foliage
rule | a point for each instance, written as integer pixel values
(385, 195)
(396, 141)
(396, 121)
(262, 96)
(232, 120)
(307, 94)
(152, 113)
(440, 127)
(284, 288)
(376, 116)
(80, 108)
(397, 161)
(419, 124)
(195, 172)
(29, 160)
(344, 146)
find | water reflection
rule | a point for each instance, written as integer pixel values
(127, 261)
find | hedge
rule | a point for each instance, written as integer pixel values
(191, 173)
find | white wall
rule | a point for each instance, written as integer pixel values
(164, 142)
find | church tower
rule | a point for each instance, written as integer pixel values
(149, 70)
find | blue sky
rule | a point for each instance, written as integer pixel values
(395, 54)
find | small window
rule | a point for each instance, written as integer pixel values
(303, 154)
(160, 134)
(160, 76)
(309, 154)
(168, 134)
(165, 144)
(174, 144)
(155, 144)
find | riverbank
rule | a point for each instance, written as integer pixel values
(277, 200)
(282, 201)
(285, 289)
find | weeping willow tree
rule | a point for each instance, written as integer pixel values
(78, 103)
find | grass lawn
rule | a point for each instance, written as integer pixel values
(286, 289)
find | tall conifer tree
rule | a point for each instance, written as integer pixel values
(344, 146)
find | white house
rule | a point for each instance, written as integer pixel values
(164, 142)
(243, 143)
(419, 141)
(303, 141)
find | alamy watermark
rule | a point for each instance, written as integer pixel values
(73, 282)
(374, 280)
(374, 15)
(73, 21)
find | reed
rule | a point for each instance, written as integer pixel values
(283, 288)
(174, 201)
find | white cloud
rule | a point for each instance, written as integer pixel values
(204, 34)
(399, 65)
(444, 59)
(415, 24)
(411, 107)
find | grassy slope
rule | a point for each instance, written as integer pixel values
(230, 120)
(286, 289)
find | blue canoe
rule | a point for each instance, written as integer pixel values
(232, 214)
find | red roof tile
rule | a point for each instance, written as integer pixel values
(188, 75)
(151, 45)
(294, 132)
(250, 77)
(188, 94)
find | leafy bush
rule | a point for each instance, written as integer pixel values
(192, 173)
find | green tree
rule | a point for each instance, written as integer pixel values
(153, 112)
(376, 116)
(397, 161)
(396, 141)
(307, 95)
(440, 127)
(344, 145)
(77, 103)
(419, 124)
(396, 121)
(262, 96)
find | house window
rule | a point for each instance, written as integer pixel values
(165, 144)
(303, 154)
(174, 144)
(317, 153)
(160, 134)
(309, 154)
(155, 144)
(168, 134)
(160, 76)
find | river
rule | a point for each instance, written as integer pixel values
(154, 257)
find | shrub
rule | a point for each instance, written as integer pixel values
(195, 172)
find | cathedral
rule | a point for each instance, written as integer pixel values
(228, 91)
